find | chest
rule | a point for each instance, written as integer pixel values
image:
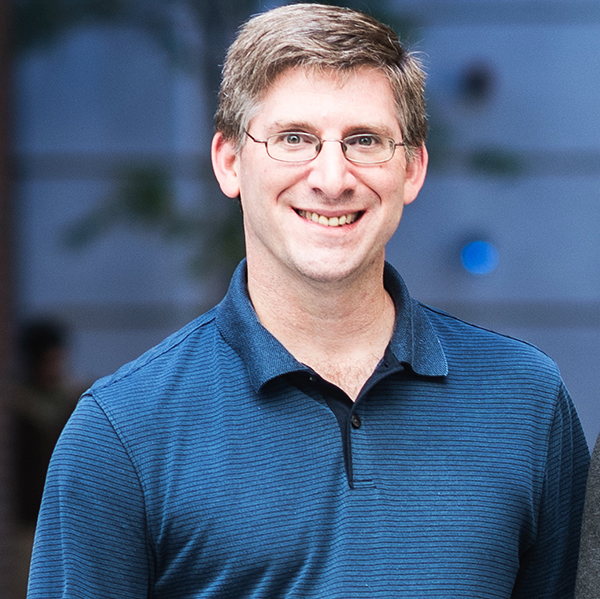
(266, 495)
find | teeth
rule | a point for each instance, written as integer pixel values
(335, 221)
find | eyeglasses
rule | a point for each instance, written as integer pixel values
(294, 146)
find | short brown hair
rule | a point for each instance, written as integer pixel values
(316, 37)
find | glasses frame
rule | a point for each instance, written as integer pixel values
(342, 143)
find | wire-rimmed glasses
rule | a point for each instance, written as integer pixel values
(360, 148)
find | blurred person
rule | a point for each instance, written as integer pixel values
(319, 433)
(41, 404)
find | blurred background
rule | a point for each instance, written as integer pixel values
(113, 233)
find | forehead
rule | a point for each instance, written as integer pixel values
(329, 99)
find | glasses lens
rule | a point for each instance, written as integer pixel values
(368, 148)
(293, 147)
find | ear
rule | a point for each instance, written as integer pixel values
(225, 165)
(416, 170)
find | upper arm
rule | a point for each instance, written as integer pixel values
(91, 539)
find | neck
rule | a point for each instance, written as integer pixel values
(340, 329)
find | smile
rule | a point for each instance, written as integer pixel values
(334, 221)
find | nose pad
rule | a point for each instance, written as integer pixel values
(333, 154)
(330, 170)
(338, 141)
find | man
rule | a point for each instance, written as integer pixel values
(319, 433)
(588, 571)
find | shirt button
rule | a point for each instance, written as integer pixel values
(355, 421)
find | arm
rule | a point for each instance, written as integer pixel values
(91, 540)
(548, 568)
(588, 571)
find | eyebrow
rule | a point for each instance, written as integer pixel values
(280, 126)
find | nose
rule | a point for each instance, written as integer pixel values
(330, 172)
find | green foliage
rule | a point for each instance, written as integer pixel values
(144, 199)
(37, 22)
(496, 162)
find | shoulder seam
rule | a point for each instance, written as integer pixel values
(482, 328)
(116, 377)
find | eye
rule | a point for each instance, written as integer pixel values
(365, 141)
(293, 139)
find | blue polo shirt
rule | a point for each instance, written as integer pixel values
(218, 466)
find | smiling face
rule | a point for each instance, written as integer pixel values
(327, 219)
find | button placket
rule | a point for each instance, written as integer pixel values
(361, 458)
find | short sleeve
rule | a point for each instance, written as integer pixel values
(91, 539)
(548, 568)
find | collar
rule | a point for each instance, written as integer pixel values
(414, 341)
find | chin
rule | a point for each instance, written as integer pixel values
(334, 272)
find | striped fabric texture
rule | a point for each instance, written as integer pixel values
(217, 466)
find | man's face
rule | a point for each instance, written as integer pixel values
(281, 201)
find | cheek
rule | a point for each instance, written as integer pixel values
(268, 186)
(385, 181)
(391, 194)
(252, 188)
